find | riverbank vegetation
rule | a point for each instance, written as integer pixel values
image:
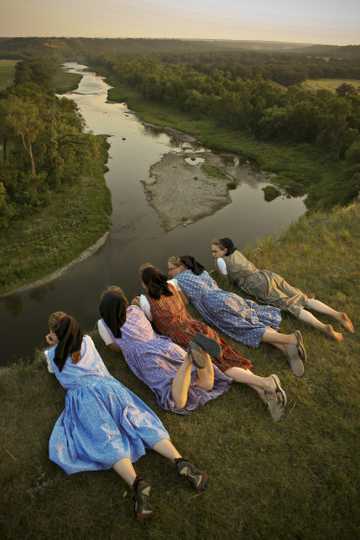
(320, 129)
(46, 157)
(295, 479)
(64, 81)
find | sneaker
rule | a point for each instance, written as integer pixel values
(198, 479)
(141, 498)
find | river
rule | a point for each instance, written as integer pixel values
(136, 233)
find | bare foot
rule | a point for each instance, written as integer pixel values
(346, 322)
(329, 330)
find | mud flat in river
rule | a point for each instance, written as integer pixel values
(184, 188)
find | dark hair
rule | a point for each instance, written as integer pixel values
(192, 264)
(113, 305)
(70, 337)
(156, 282)
(228, 244)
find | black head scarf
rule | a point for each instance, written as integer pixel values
(192, 264)
(70, 338)
(228, 244)
(156, 282)
(113, 311)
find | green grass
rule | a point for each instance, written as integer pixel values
(329, 84)
(213, 171)
(65, 82)
(301, 169)
(296, 480)
(7, 70)
(39, 244)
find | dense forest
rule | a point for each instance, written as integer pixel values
(42, 141)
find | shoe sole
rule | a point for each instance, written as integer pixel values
(197, 356)
(208, 345)
(296, 365)
(279, 411)
(300, 345)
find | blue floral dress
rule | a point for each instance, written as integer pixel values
(242, 320)
(155, 360)
(103, 421)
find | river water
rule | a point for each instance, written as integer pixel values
(136, 235)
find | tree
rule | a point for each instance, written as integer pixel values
(346, 89)
(23, 116)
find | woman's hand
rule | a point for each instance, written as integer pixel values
(51, 339)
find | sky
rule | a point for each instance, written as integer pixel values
(304, 21)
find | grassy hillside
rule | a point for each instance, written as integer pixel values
(47, 236)
(298, 479)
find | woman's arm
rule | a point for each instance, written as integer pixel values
(107, 337)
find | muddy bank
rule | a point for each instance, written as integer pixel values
(184, 188)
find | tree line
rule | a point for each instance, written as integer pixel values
(43, 145)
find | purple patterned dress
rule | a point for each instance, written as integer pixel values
(242, 320)
(155, 360)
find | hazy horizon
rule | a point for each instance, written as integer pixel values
(330, 22)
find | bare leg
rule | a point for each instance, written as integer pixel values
(287, 343)
(342, 317)
(309, 318)
(166, 448)
(125, 469)
(245, 376)
(272, 336)
(205, 376)
(181, 383)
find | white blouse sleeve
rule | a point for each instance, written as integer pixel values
(104, 332)
(174, 283)
(145, 306)
(221, 264)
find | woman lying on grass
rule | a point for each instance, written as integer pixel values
(165, 306)
(270, 288)
(181, 381)
(242, 320)
(104, 425)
